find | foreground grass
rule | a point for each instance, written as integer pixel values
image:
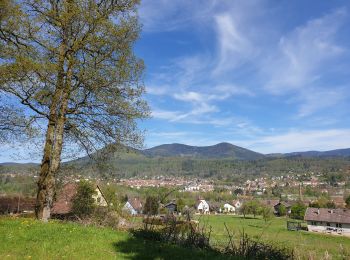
(305, 244)
(30, 239)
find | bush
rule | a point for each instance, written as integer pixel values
(298, 211)
(151, 206)
(83, 202)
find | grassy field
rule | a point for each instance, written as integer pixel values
(304, 243)
(30, 239)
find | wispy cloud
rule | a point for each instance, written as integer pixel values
(302, 140)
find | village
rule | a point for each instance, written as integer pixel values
(294, 197)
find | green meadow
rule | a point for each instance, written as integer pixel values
(30, 239)
(24, 238)
(304, 243)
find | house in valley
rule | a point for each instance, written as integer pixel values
(62, 206)
(171, 207)
(284, 204)
(203, 207)
(237, 204)
(133, 206)
(228, 208)
(331, 221)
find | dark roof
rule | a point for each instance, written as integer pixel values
(63, 203)
(136, 204)
(170, 203)
(271, 203)
(328, 215)
(284, 203)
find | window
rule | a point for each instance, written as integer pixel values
(328, 224)
(338, 225)
(98, 199)
(314, 223)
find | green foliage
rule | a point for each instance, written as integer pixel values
(298, 211)
(83, 203)
(323, 202)
(266, 213)
(151, 205)
(282, 210)
(276, 191)
(252, 207)
(180, 204)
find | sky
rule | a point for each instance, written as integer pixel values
(271, 76)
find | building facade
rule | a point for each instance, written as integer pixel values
(331, 221)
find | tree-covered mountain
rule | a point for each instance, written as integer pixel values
(315, 154)
(218, 151)
(225, 161)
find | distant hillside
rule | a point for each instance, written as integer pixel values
(317, 154)
(218, 151)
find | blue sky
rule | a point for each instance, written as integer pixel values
(271, 76)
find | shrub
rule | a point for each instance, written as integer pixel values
(151, 206)
(298, 211)
(83, 202)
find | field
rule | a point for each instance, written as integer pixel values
(304, 243)
(30, 239)
(22, 238)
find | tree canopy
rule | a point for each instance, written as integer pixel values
(70, 65)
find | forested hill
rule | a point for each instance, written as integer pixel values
(314, 154)
(218, 151)
(218, 161)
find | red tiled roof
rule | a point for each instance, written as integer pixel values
(63, 203)
(328, 215)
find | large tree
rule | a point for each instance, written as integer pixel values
(70, 65)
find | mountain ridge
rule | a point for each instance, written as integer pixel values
(221, 150)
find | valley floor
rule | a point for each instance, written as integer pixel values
(305, 244)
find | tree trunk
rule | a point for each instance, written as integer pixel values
(46, 183)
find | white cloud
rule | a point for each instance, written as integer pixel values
(234, 47)
(303, 53)
(168, 15)
(316, 99)
(301, 140)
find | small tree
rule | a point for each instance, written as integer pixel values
(298, 211)
(83, 202)
(282, 211)
(151, 206)
(180, 204)
(253, 207)
(266, 213)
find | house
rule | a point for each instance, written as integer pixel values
(286, 205)
(171, 207)
(271, 204)
(237, 204)
(228, 208)
(203, 207)
(62, 206)
(99, 197)
(332, 221)
(215, 207)
(133, 206)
